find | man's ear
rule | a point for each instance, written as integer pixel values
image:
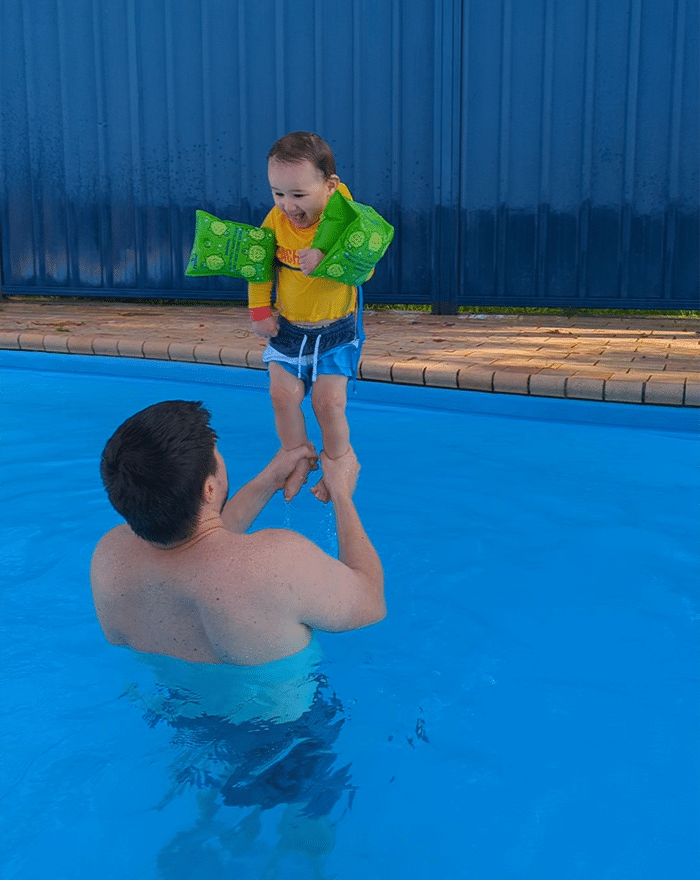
(332, 183)
(208, 490)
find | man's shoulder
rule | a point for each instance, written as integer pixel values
(116, 541)
(273, 539)
(272, 550)
(116, 537)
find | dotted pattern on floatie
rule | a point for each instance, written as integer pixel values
(223, 247)
(353, 237)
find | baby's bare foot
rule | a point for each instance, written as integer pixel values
(297, 479)
(321, 492)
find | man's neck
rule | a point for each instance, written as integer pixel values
(206, 527)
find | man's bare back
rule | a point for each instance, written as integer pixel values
(223, 596)
(186, 604)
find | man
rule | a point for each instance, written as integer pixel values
(182, 577)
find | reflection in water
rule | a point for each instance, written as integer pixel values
(254, 738)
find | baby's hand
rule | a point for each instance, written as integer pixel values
(309, 259)
(266, 328)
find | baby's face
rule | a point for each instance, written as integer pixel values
(300, 191)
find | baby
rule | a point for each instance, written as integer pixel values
(314, 343)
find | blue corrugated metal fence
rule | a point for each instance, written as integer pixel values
(529, 152)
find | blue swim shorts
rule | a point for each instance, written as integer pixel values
(257, 762)
(307, 353)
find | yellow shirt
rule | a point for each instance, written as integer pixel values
(299, 297)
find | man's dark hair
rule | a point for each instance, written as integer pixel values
(298, 146)
(154, 468)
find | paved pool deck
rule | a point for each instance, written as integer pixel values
(643, 360)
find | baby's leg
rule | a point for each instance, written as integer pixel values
(287, 393)
(329, 399)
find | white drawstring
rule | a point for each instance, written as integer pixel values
(313, 374)
(301, 352)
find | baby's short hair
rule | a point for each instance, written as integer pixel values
(300, 146)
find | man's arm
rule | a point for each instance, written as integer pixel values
(354, 547)
(242, 510)
(341, 594)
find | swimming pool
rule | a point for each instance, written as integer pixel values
(527, 710)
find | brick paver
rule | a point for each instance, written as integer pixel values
(647, 360)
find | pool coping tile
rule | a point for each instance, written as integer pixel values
(156, 349)
(10, 340)
(233, 357)
(105, 346)
(80, 345)
(30, 341)
(624, 390)
(513, 381)
(376, 369)
(204, 353)
(585, 388)
(57, 343)
(662, 393)
(254, 359)
(130, 348)
(547, 385)
(440, 375)
(181, 351)
(475, 379)
(692, 393)
(408, 372)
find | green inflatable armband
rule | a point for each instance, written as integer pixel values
(353, 237)
(222, 247)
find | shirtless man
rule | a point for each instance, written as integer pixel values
(182, 577)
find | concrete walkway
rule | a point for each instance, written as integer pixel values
(646, 360)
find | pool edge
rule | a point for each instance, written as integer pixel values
(654, 391)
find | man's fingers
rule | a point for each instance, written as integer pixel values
(347, 459)
(305, 451)
(340, 474)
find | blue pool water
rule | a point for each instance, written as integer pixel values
(527, 711)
